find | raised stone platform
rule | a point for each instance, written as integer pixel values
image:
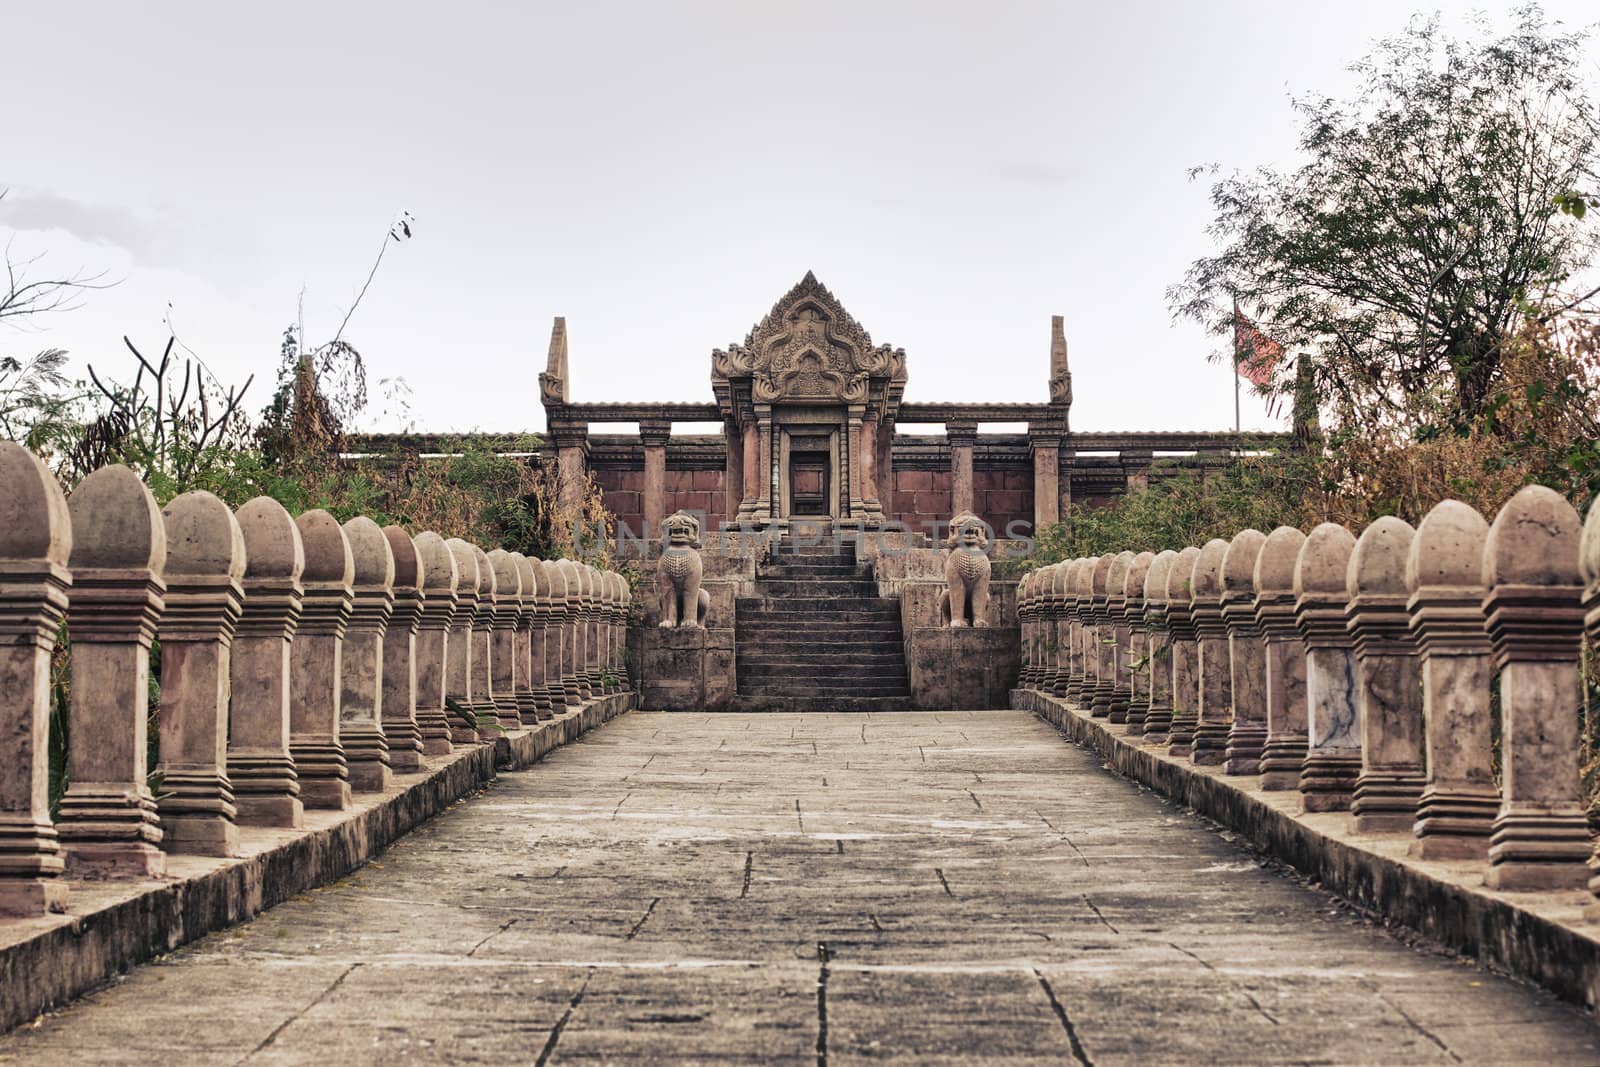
(111, 926)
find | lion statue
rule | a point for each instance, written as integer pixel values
(966, 573)
(683, 602)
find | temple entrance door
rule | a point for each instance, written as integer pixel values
(808, 483)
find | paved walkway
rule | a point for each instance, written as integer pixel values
(957, 888)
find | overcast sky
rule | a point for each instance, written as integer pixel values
(659, 173)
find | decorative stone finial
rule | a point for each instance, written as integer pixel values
(1444, 576)
(1535, 620)
(35, 544)
(1283, 755)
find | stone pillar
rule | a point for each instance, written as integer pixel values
(460, 647)
(1076, 604)
(266, 786)
(624, 619)
(361, 688)
(1062, 595)
(35, 543)
(503, 638)
(1284, 754)
(1247, 654)
(1025, 627)
(1444, 576)
(205, 569)
(750, 482)
(485, 708)
(108, 821)
(852, 502)
(594, 638)
(867, 448)
(1215, 718)
(529, 675)
(732, 471)
(1102, 654)
(1045, 446)
(1388, 680)
(440, 583)
(1535, 619)
(315, 660)
(571, 616)
(768, 500)
(544, 641)
(654, 436)
(1118, 632)
(401, 732)
(572, 468)
(1158, 720)
(962, 436)
(557, 640)
(615, 621)
(1185, 652)
(1333, 717)
(1134, 668)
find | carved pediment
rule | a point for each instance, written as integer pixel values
(808, 347)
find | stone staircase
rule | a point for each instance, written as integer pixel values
(818, 637)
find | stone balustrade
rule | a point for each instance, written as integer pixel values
(1364, 672)
(301, 661)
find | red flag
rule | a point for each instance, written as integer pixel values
(1256, 355)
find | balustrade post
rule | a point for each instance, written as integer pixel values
(1444, 577)
(440, 581)
(266, 783)
(1388, 680)
(1060, 625)
(35, 545)
(205, 596)
(1185, 652)
(1080, 685)
(461, 648)
(1158, 720)
(1534, 611)
(1120, 635)
(1284, 754)
(1247, 654)
(503, 638)
(596, 611)
(529, 673)
(485, 709)
(1042, 623)
(1101, 638)
(571, 613)
(1135, 668)
(552, 608)
(1333, 715)
(1215, 718)
(401, 731)
(108, 823)
(361, 662)
(315, 659)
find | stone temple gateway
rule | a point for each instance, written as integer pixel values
(812, 411)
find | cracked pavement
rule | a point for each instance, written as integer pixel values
(823, 889)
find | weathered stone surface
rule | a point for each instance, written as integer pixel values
(401, 731)
(361, 658)
(483, 706)
(1215, 713)
(966, 573)
(1388, 680)
(1158, 720)
(1534, 616)
(1101, 647)
(1247, 654)
(435, 626)
(1185, 655)
(1283, 756)
(1333, 714)
(503, 638)
(266, 786)
(108, 822)
(1444, 576)
(35, 544)
(1134, 667)
(204, 598)
(981, 891)
(314, 660)
(1118, 633)
(679, 572)
(460, 648)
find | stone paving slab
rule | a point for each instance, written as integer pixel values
(821, 889)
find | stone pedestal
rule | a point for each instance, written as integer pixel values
(1284, 753)
(440, 580)
(1120, 635)
(461, 648)
(1247, 654)
(964, 669)
(485, 708)
(529, 673)
(1333, 716)
(35, 543)
(315, 661)
(688, 668)
(361, 687)
(1101, 640)
(1185, 654)
(1215, 717)
(108, 821)
(1158, 669)
(205, 569)
(401, 732)
(503, 639)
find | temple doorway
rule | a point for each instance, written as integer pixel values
(808, 483)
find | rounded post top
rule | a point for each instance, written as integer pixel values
(507, 578)
(1239, 564)
(553, 581)
(407, 563)
(436, 564)
(1155, 581)
(1117, 576)
(116, 524)
(528, 575)
(35, 524)
(372, 558)
(1083, 582)
(1447, 550)
(1180, 579)
(1138, 571)
(1207, 586)
(272, 545)
(328, 558)
(1100, 577)
(466, 567)
(1324, 564)
(1378, 564)
(203, 537)
(1536, 539)
(486, 583)
(1274, 575)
